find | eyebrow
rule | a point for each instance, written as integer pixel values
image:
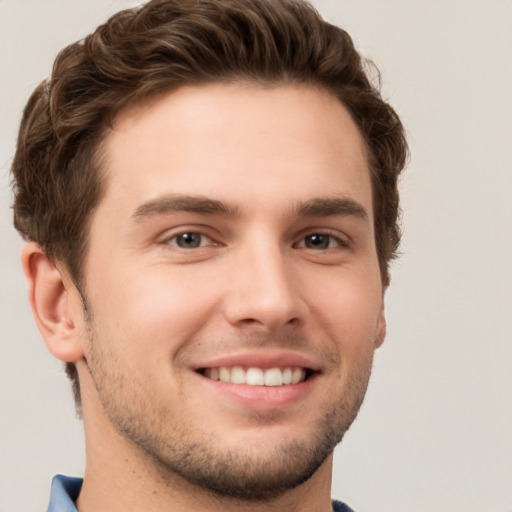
(326, 207)
(316, 207)
(184, 203)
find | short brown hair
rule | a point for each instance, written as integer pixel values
(161, 46)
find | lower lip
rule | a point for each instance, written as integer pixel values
(261, 397)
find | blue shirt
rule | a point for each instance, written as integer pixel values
(65, 490)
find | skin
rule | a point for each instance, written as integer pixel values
(274, 186)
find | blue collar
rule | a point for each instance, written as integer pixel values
(64, 492)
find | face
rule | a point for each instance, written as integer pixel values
(232, 284)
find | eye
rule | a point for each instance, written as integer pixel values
(320, 242)
(189, 240)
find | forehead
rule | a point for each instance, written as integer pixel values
(236, 142)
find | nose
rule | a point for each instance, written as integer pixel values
(264, 290)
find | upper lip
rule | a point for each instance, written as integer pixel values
(262, 360)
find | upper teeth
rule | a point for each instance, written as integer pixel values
(257, 376)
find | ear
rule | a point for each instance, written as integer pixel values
(53, 300)
(380, 332)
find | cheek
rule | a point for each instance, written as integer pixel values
(350, 309)
(151, 307)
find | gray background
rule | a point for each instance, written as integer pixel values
(435, 432)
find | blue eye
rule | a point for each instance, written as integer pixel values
(189, 240)
(319, 242)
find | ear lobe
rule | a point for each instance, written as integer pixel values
(50, 298)
(380, 332)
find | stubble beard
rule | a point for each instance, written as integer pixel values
(177, 447)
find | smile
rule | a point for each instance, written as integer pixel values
(253, 376)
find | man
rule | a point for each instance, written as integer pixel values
(208, 190)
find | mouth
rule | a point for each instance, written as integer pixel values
(255, 376)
